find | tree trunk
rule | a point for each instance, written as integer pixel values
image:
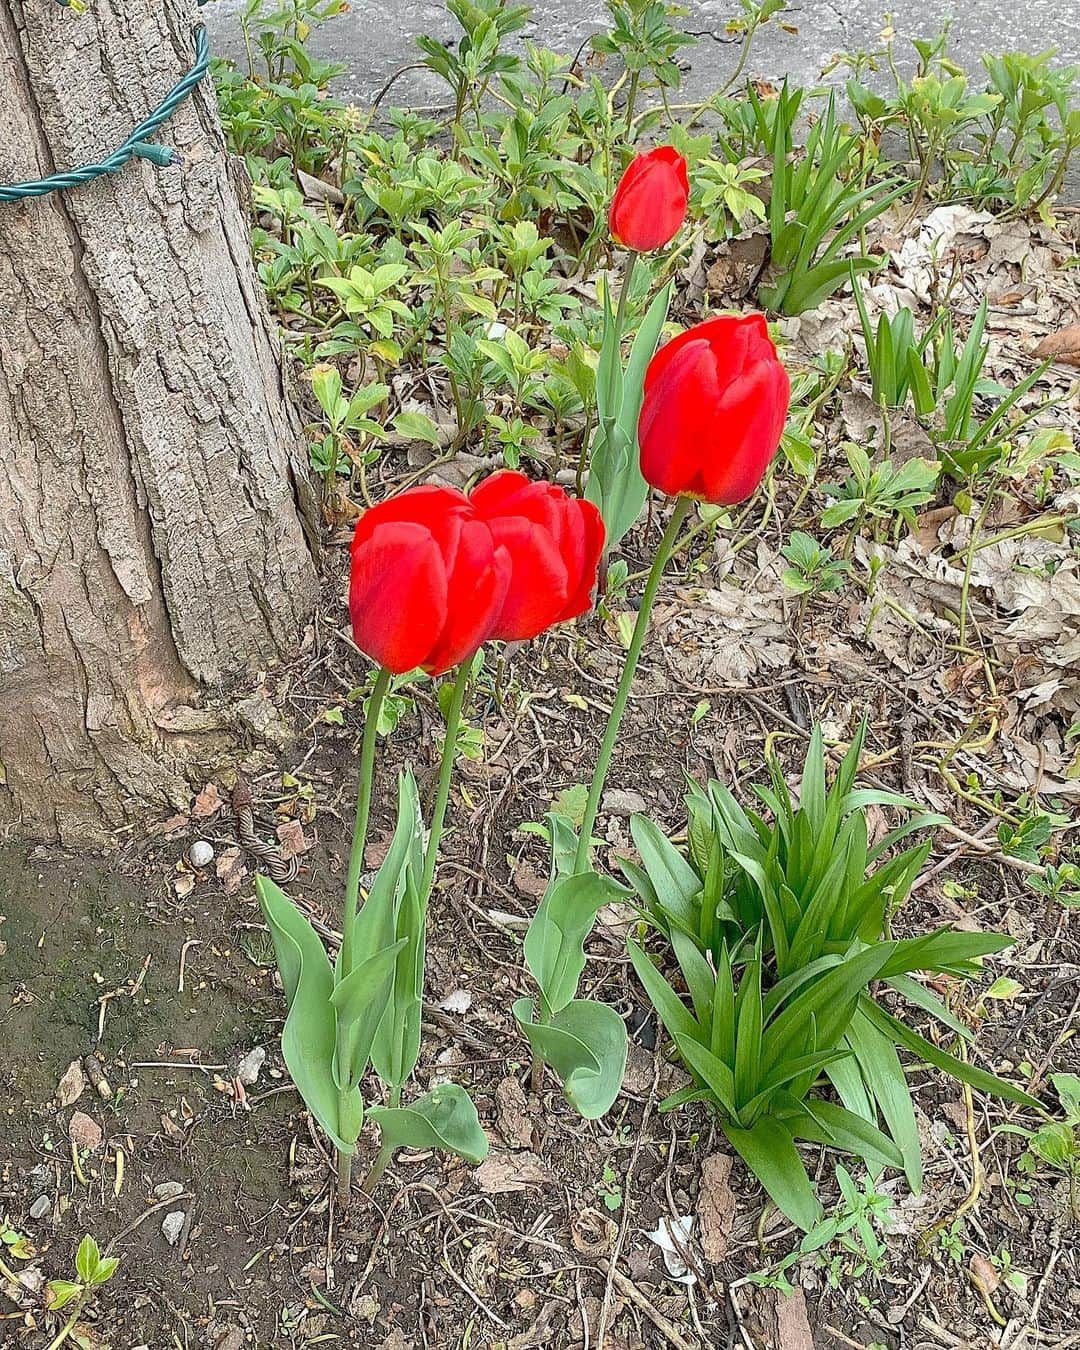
(151, 544)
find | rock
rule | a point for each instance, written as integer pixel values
(84, 1132)
(201, 853)
(169, 1190)
(71, 1086)
(250, 1066)
(622, 802)
(173, 1225)
(40, 1207)
(258, 715)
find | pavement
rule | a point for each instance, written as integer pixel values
(375, 38)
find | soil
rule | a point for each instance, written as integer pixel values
(442, 1257)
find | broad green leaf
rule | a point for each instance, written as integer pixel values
(585, 1043)
(444, 1118)
(677, 885)
(887, 1083)
(826, 1123)
(769, 1152)
(308, 1039)
(711, 1070)
(361, 998)
(554, 950)
(941, 1059)
(87, 1258)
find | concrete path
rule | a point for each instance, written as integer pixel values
(375, 38)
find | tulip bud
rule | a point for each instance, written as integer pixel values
(649, 205)
(715, 404)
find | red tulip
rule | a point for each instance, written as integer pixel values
(649, 205)
(554, 542)
(716, 399)
(427, 582)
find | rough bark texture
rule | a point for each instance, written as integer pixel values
(151, 543)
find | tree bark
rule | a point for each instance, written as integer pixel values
(152, 478)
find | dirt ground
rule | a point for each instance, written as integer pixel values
(163, 973)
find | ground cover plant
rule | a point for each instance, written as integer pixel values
(656, 919)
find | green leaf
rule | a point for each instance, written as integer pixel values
(674, 1014)
(677, 885)
(885, 1080)
(87, 1258)
(769, 1152)
(308, 1039)
(444, 1118)
(416, 426)
(106, 1268)
(61, 1292)
(941, 1059)
(585, 1043)
(826, 1123)
(553, 945)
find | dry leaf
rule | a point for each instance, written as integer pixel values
(231, 870)
(293, 840)
(983, 1275)
(84, 1132)
(71, 1086)
(1063, 346)
(207, 803)
(792, 1325)
(512, 1113)
(500, 1173)
(715, 1206)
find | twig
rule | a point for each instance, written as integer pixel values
(630, 1290)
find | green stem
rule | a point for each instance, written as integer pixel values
(442, 794)
(378, 1167)
(363, 810)
(620, 309)
(618, 707)
(352, 893)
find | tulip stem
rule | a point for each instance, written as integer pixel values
(442, 793)
(363, 811)
(622, 693)
(352, 895)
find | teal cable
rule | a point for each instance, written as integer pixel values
(136, 144)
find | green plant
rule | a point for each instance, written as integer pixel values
(815, 209)
(478, 57)
(779, 930)
(642, 36)
(726, 197)
(878, 492)
(812, 568)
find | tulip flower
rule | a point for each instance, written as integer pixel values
(554, 543)
(716, 399)
(427, 581)
(649, 205)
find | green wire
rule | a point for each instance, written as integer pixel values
(136, 145)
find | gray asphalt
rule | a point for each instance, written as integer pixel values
(375, 38)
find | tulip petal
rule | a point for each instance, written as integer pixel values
(539, 588)
(678, 426)
(592, 546)
(397, 595)
(477, 582)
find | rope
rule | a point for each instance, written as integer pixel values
(280, 869)
(136, 145)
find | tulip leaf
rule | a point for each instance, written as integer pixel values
(444, 1118)
(554, 950)
(770, 1153)
(615, 483)
(396, 1044)
(585, 1043)
(308, 1039)
(360, 994)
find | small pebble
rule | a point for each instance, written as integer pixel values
(201, 854)
(40, 1207)
(250, 1066)
(168, 1190)
(172, 1226)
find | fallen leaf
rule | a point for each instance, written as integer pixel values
(983, 1275)
(293, 840)
(512, 1113)
(84, 1132)
(715, 1206)
(1063, 346)
(792, 1325)
(231, 870)
(501, 1173)
(71, 1086)
(207, 803)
